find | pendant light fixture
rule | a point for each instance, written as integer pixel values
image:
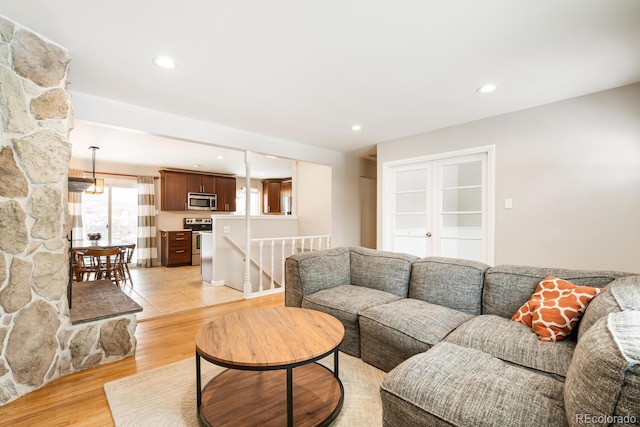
(98, 183)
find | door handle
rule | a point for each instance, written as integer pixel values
(428, 234)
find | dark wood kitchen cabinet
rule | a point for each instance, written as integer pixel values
(226, 191)
(175, 185)
(201, 183)
(276, 195)
(176, 248)
(271, 196)
(173, 191)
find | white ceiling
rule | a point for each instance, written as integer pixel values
(305, 71)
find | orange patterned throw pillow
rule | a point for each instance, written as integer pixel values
(555, 308)
(524, 314)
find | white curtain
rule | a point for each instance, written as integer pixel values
(147, 248)
(74, 203)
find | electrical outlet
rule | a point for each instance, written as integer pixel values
(227, 229)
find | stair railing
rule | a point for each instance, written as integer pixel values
(270, 248)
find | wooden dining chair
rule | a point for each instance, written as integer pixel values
(83, 266)
(127, 256)
(102, 263)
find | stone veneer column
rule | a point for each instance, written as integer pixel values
(37, 341)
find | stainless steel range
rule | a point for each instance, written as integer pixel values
(196, 225)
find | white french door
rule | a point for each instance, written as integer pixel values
(460, 205)
(412, 217)
(440, 206)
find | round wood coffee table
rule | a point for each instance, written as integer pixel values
(272, 380)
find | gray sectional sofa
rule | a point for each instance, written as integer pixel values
(441, 329)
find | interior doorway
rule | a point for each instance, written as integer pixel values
(368, 212)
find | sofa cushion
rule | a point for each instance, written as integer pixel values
(621, 294)
(311, 272)
(453, 385)
(344, 303)
(603, 381)
(508, 287)
(385, 271)
(391, 333)
(555, 308)
(515, 343)
(450, 282)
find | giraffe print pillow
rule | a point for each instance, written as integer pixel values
(555, 308)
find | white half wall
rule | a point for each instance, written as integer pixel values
(229, 242)
(572, 169)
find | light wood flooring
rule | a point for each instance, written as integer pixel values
(79, 400)
(168, 290)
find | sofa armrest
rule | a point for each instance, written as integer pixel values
(311, 272)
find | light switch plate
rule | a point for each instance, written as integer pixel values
(508, 203)
(227, 229)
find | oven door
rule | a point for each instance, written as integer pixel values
(195, 247)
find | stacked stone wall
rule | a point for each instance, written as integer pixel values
(37, 341)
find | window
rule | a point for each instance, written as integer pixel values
(255, 201)
(114, 213)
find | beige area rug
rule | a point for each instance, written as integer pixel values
(166, 396)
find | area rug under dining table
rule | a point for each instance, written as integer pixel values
(166, 396)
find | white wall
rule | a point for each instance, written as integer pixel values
(344, 214)
(313, 195)
(572, 169)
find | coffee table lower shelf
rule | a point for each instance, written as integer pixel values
(243, 397)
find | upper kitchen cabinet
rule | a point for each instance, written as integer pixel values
(175, 185)
(197, 183)
(173, 188)
(226, 191)
(276, 196)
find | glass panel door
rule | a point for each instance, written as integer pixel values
(113, 214)
(95, 215)
(461, 207)
(124, 216)
(441, 206)
(411, 211)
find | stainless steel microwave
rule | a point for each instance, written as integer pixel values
(202, 202)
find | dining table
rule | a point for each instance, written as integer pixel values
(83, 245)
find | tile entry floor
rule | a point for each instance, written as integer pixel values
(167, 290)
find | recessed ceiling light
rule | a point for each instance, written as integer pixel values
(271, 157)
(487, 88)
(196, 166)
(164, 62)
(220, 157)
(356, 128)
